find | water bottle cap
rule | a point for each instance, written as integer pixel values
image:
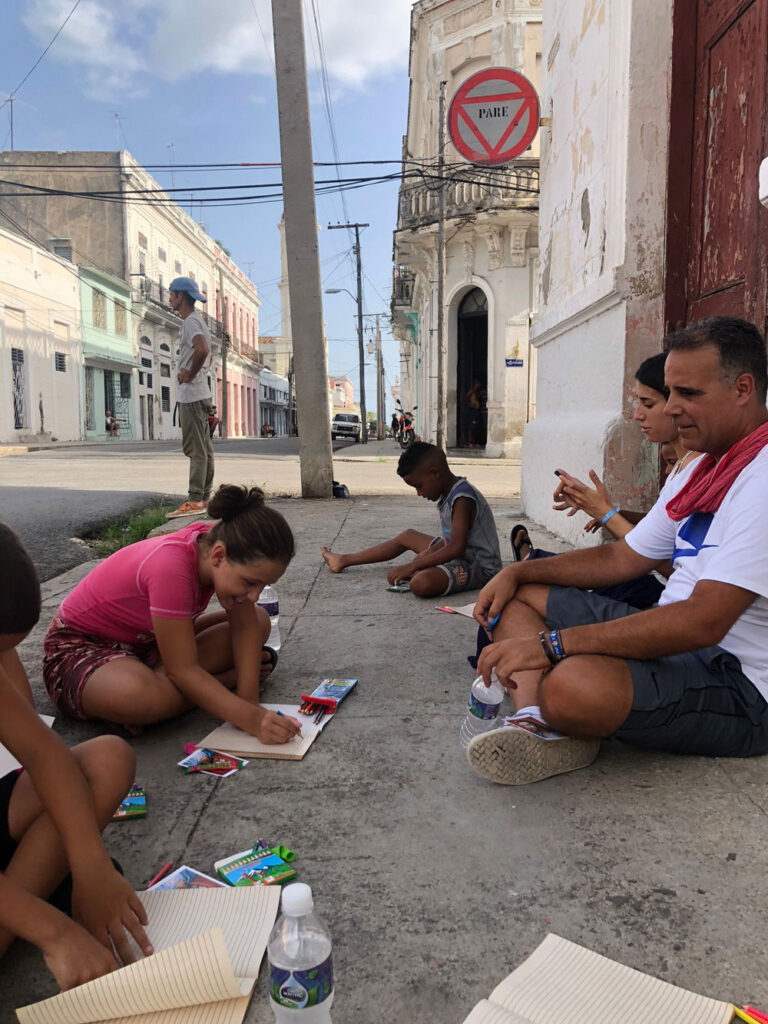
(297, 900)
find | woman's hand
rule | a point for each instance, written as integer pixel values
(495, 596)
(508, 656)
(274, 728)
(571, 493)
(74, 957)
(104, 903)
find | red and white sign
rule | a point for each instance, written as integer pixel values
(494, 116)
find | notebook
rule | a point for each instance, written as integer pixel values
(208, 943)
(231, 740)
(563, 983)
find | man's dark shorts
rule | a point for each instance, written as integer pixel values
(695, 703)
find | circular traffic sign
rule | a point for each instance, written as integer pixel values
(494, 116)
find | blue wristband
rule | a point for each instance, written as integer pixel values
(608, 515)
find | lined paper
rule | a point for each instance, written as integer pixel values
(8, 762)
(564, 983)
(199, 974)
(231, 740)
(487, 1012)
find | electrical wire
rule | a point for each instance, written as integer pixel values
(56, 36)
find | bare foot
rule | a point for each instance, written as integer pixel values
(335, 563)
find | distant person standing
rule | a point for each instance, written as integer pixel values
(193, 395)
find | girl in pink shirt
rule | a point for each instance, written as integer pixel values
(133, 643)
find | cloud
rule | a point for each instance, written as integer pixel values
(122, 46)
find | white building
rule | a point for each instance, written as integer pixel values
(40, 344)
(491, 234)
(273, 402)
(649, 219)
(276, 351)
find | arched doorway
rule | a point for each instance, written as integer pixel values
(472, 370)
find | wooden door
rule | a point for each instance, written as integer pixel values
(717, 231)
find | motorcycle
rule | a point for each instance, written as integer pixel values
(406, 434)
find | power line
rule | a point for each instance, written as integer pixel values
(56, 36)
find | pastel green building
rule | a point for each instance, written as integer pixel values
(108, 357)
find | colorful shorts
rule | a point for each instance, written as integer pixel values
(71, 657)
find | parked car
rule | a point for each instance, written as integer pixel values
(346, 424)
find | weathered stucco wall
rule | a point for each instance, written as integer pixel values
(601, 231)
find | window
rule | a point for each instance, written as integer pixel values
(146, 341)
(60, 361)
(141, 376)
(177, 267)
(145, 361)
(161, 255)
(165, 347)
(120, 319)
(165, 370)
(142, 240)
(142, 263)
(125, 385)
(61, 247)
(165, 399)
(192, 275)
(99, 309)
(149, 381)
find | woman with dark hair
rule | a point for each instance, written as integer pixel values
(133, 643)
(571, 494)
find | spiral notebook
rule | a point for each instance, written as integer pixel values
(563, 983)
(208, 943)
(231, 740)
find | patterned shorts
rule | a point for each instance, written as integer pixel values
(71, 657)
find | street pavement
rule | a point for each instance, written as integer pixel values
(435, 883)
(54, 496)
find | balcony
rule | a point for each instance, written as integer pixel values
(473, 190)
(402, 286)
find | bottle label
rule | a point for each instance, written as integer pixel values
(480, 709)
(297, 989)
(272, 608)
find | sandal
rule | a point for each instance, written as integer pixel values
(518, 538)
(272, 656)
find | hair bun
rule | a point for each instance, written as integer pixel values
(232, 499)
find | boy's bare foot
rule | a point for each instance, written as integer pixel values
(335, 563)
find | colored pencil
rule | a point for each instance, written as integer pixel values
(745, 1016)
(160, 874)
(757, 1014)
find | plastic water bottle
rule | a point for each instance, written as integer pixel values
(300, 961)
(482, 708)
(269, 602)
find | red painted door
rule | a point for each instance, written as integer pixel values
(719, 244)
(726, 256)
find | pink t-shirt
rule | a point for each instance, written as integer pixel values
(157, 576)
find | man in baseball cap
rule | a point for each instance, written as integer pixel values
(193, 395)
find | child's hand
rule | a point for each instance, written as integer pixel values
(274, 728)
(74, 957)
(400, 574)
(106, 906)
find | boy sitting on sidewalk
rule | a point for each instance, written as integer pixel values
(467, 552)
(51, 814)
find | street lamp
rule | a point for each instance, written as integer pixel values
(359, 300)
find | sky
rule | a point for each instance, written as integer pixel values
(193, 82)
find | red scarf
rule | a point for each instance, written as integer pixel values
(711, 480)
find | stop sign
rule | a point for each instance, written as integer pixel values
(494, 116)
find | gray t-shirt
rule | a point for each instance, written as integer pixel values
(482, 551)
(198, 387)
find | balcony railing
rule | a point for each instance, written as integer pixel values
(472, 191)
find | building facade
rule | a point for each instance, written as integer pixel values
(649, 218)
(274, 404)
(40, 344)
(144, 244)
(490, 230)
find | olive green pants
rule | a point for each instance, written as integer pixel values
(197, 445)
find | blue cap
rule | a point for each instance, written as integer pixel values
(186, 284)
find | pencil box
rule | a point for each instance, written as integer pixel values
(330, 693)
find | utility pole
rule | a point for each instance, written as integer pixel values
(441, 353)
(224, 396)
(379, 385)
(360, 346)
(310, 362)
(10, 100)
(170, 148)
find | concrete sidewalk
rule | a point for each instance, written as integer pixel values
(435, 883)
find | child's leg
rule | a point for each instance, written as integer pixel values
(409, 540)
(39, 862)
(429, 582)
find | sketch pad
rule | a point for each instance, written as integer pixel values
(231, 740)
(563, 983)
(208, 943)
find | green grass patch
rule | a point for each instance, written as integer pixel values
(119, 533)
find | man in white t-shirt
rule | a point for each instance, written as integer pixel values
(690, 676)
(193, 395)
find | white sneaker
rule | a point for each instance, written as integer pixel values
(527, 750)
